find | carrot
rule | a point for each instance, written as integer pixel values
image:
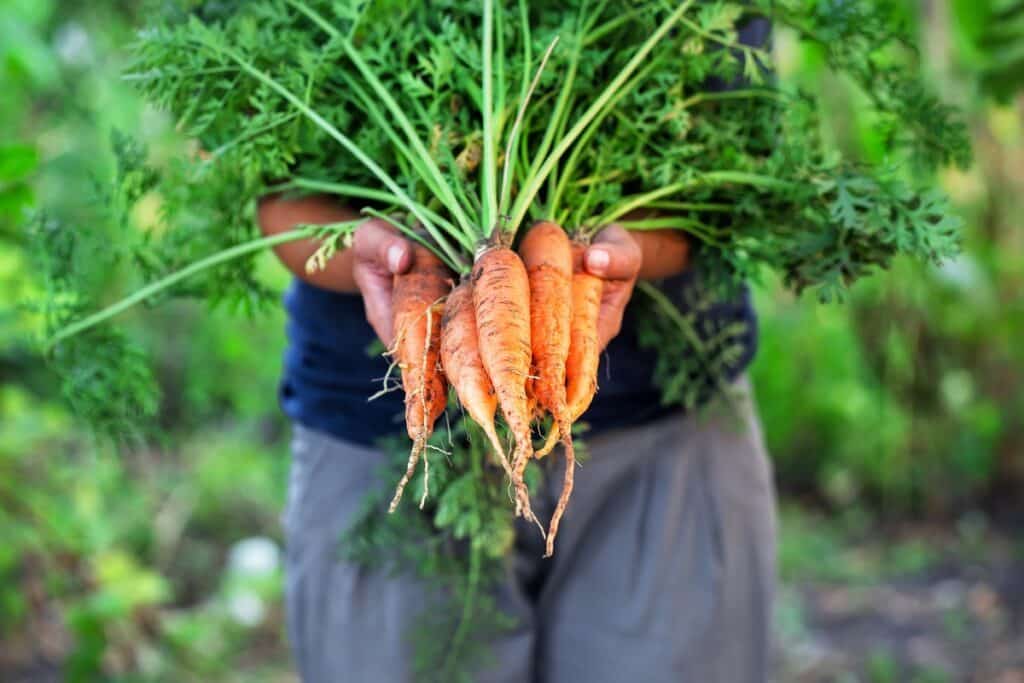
(417, 300)
(547, 255)
(460, 358)
(584, 354)
(583, 359)
(501, 297)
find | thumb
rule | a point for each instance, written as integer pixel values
(613, 255)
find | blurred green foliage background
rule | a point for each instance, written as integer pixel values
(903, 403)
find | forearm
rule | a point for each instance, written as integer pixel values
(665, 253)
(277, 215)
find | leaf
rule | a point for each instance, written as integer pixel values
(17, 162)
(14, 199)
(852, 200)
(720, 17)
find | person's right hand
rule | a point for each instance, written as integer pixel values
(379, 253)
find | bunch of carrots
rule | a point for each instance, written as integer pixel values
(519, 329)
(519, 333)
(416, 126)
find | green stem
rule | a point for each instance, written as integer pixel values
(429, 170)
(177, 276)
(702, 232)
(511, 151)
(499, 78)
(349, 190)
(524, 22)
(507, 172)
(417, 156)
(566, 172)
(690, 206)
(340, 189)
(711, 178)
(596, 34)
(662, 223)
(490, 192)
(253, 133)
(638, 201)
(558, 116)
(529, 191)
(408, 202)
(731, 95)
(444, 191)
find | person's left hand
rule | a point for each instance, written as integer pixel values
(615, 257)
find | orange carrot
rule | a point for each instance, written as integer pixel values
(501, 297)
(460, 358)
(584, 353)
(547, 256)
(417, 300)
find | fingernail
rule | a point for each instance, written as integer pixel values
(597, 260)
(395, 253)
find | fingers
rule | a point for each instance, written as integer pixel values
(380, 253)
(613, 255)
(614, 298)
(378, 243)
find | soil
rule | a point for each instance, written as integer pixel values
(960, 618)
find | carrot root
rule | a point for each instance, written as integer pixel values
(563, 499)
(549, 443)
(502, 305)
(417, 322)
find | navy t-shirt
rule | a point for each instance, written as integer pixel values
(330, 375)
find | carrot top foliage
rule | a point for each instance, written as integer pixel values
(470, 120)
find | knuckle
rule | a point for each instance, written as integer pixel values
(361, 240)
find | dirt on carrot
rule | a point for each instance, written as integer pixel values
(418, 300)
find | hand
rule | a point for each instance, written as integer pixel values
(379, 253)
(614, 256)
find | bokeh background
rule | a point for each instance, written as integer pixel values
(895, 419)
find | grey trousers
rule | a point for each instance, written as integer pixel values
(664, 568)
